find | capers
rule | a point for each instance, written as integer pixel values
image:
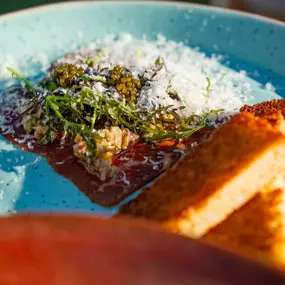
(67, 75)
(124, 82)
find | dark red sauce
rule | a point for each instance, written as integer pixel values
(138, 165)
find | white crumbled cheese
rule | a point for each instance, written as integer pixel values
(243, 73)
(269, 87)
(8, 110)
(30, 145)
(194, 144)
(6, 62)
(42, 62)
(28, 65)
(185, 68)
(26, 138)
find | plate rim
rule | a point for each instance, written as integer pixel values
(179, 3)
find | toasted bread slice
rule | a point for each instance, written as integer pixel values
(237, 160)
(275, 118)
(257, 229)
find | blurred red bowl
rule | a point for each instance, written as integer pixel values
(59, 250)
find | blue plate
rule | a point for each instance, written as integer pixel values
(251, 43)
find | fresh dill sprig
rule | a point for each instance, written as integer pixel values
(94, 78)
(82, 129)
(206, 94)
(30, 87)
(186, 129)
(168, 134)
(209, 84)
(151, 127)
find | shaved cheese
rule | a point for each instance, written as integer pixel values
(185, 69)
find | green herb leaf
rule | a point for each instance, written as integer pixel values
(95, 78)
(209, 83)
(28, 84)
(207, 89)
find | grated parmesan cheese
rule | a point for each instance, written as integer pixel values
(269, 87)
(185, 69)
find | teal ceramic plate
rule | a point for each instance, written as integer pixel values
(251, 43)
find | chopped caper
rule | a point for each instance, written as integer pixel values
(67, 74)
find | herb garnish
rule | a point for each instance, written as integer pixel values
(30, 87)
(173, 94)
(81, 109)
(207, 89)
(92, 61)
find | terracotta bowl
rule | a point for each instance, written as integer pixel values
(71, 250)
